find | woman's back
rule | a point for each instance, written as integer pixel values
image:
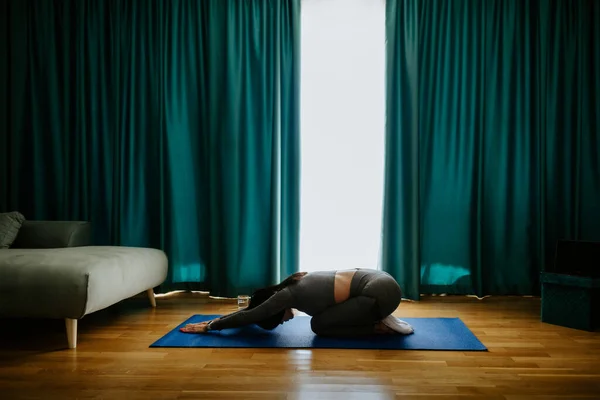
(314, 293)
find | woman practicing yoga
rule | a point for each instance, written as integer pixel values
(341, 303)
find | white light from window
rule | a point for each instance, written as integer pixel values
(342, 133)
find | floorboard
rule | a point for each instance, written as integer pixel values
(527, 359)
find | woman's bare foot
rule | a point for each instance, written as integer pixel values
(398, 325)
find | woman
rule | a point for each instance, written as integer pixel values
(341, 303)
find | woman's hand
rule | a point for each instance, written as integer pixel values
(201, 327)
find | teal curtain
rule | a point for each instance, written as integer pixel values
(167, 124)
(492, 141)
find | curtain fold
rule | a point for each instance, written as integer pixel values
(506, 138)
(172, 125)
(401, 236)
(4, 100)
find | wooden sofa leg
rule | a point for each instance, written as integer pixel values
(71, 325)
(151, 297)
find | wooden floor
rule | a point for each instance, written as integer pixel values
(526, 360)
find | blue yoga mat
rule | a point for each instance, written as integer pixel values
(430, 334)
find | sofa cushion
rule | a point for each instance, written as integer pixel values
(75, 281)
(10, 223)
(53, 234)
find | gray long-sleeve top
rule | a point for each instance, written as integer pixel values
(312, 294)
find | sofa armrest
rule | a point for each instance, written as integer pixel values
(53, 234)
(41, 285)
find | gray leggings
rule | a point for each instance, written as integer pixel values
(373, 296)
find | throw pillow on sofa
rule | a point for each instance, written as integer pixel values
(10, 223)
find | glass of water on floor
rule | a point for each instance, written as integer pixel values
(243, 301)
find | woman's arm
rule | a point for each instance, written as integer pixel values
(276, 303)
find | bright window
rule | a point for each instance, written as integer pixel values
(342, 133)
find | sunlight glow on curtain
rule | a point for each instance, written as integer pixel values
(342, 133)
(167, 124)
(493, 142)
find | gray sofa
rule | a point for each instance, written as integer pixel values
(52, 271)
